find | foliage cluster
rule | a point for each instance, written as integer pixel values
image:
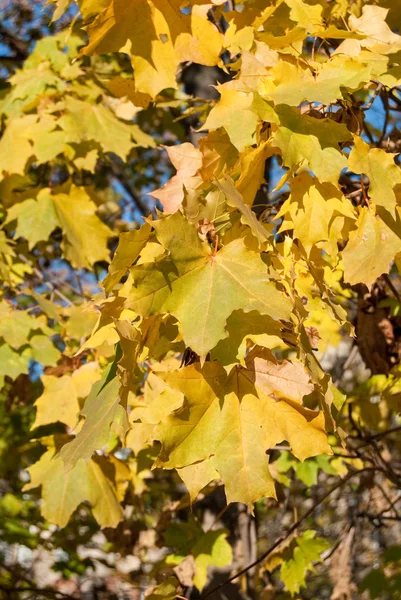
(151, 358)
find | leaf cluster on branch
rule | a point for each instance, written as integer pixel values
(192, 344)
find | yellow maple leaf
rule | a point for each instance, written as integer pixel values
(234, 419)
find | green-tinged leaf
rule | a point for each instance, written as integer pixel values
(313, 141)
(211, 550)
(85, 236)
(63, 492)
(164, 591)
(291, 85)
(16, 325)
(13, 364)
(208, 549)
(36, 219)
(84, 121)
(104, 413)
(307, 551)
(199, 287)
(43, 350)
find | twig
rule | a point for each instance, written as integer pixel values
(216, 246)
(386, 117)
(40, 591)
(368, 133)
(218, 517)
(17, 45)
(119, 174)
(391, 506)
(377, 436)
(391, 286)
(290, 531)
(374, 95)
(313, 48)
(45, 281)
(351, 357)
(354, 193)
(364, 194)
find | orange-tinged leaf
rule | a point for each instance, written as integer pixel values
(234, 419)
(187, 160)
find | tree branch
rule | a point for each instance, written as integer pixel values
(18, 46)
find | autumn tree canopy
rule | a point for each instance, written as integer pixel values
(200, 316)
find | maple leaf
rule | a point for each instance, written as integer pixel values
(234, 113)
(63, 492)
(43, 351)
(383, 173)
(12, 363)
(159, 400)
(60, 398)
(28, 85)
(316, 141)
(197, 476)
(217, 152)
(377, 34)
(124, 87)
(252, 170)
(311, 211)
(103, 412)
(85, 236)
(292, 85)
(242, 328)
(187, 160)
(235, 418)
(248, 217)
(83, 121)
(197, 286)
(307, 550)
(36, 218)
(304, 14)
(81, 320)
(16, 134)
(16, 325)
(208, 549)
(158, 36)
(370, 250)
(164, 591)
